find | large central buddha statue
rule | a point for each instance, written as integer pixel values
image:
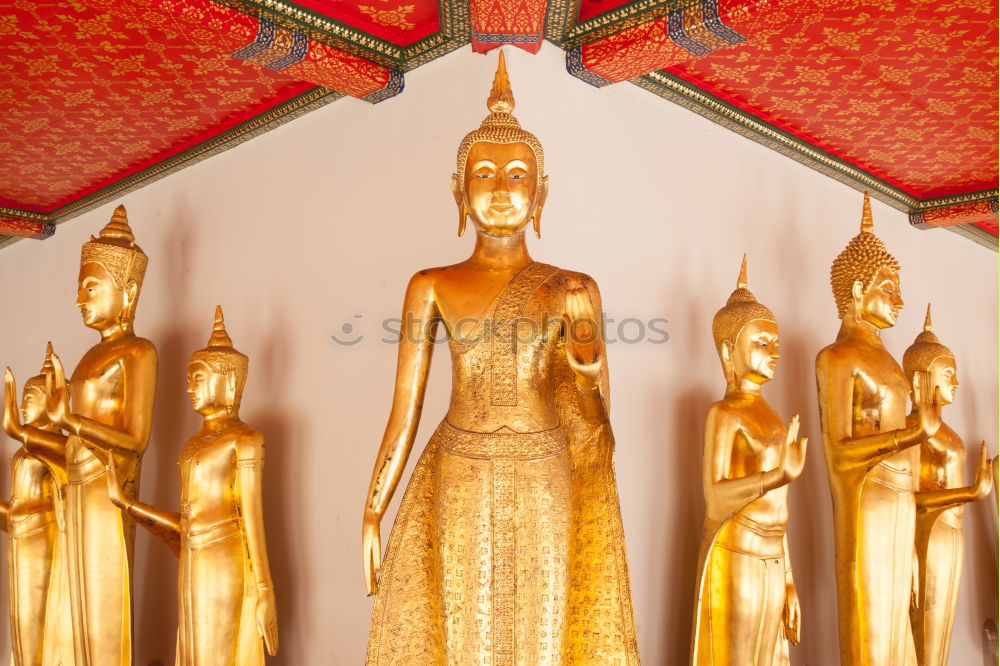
(872, 456)
(507, 547)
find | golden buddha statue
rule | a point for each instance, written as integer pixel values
(30, 518)
(939, 497)
(747, 608)
(107, 405)
(508, 546)
(226, 601)
(872, 456)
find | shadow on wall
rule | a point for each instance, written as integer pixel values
(155, 619)
(684, 472)
(281, 460)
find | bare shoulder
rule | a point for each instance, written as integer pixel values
(831, 356)
(139, 350)
(249, 441)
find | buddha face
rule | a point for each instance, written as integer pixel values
(206, 388)
(881, 303)
(944, 376)
(99, 300)
(755, 354)
(33, 407)
(501, 187)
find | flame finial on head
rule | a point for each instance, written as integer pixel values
(501, 98)
(118, 227)
(867, 224)
(219, 338)
(741, 281)
(927, 318)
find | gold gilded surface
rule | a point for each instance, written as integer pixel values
(747, 608)
(872, 456)
(30, 519)
(507, 547)
(940, 496)
(106, 408)
(226, 603)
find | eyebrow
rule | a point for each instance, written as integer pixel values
(483, 163)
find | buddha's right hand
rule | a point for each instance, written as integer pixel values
(11, 422)
(928, 403)
(793, 455)
(371, 545)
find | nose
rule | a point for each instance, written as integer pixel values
(898, 300)
(79, 298)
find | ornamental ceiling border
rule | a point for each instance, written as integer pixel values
(562, 30)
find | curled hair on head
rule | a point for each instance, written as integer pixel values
(860, 261)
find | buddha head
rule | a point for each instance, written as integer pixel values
(217, 373)
(112, 267)
(865, 278)
(746, 336)
(927, 354)
(499, 181)
(33, 411)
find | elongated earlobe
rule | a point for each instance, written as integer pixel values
(230, 391)
(537, 222)
(462, 217)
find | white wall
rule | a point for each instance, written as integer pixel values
(301, 229)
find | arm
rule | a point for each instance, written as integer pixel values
(4, 515)
(139, 371)
(164, 525)
(249, 477)
(947, 498)
(598, 315)
(729, 495)
(836, 393)
(412, 366)
(50, 447)
(793, 610)
(585, 352)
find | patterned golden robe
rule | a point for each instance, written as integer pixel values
(508, 546)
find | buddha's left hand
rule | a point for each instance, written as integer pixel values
(267, 618)
(583, 338)
(792, 615)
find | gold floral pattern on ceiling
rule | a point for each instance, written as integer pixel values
(396, 17)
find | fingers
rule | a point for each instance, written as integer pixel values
(271, 638)
(59, 375)
(793, 429)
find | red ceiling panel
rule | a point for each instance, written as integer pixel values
(92, 93)
(904, 89)
(401, 22)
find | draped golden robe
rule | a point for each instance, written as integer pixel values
(99, 545)
(31, 526)
(508, 546)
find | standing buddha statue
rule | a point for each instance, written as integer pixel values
(872, 456)
(226, 602)
(940, 496)
(508, 547)
(107, 405)
(747, 608)
(30, 518)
